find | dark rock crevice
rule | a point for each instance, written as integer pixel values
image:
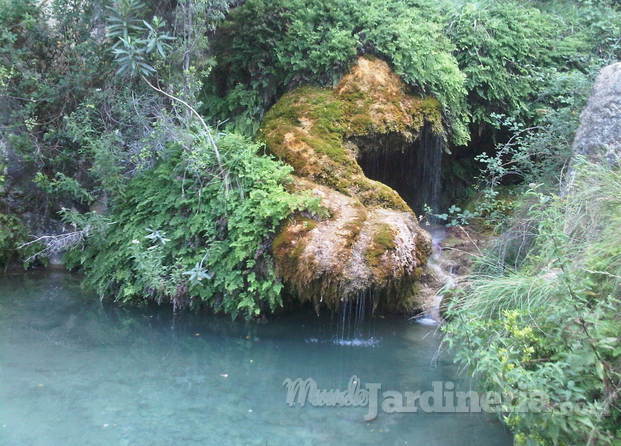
(412, 168)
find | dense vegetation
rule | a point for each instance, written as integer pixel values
(187, 235)
(127, 138)
(540, 315)
(479, 58)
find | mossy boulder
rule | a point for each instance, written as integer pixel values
(371, 241)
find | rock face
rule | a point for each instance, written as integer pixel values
(369, 243)
(599, 135)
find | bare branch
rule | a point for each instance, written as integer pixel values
(210, 139)
(55, 244)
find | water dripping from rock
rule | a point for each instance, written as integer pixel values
(354, 325)
(442, 278)
(412, 168)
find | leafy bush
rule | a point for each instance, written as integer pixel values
(186, 235)
(549, 324)
(539, 153)
(268, 47)
(415, 42)
(68, 121)
(49, 62)
(501, 47)
(12, 234)
(478, 57)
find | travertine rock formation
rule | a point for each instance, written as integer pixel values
(369, 243)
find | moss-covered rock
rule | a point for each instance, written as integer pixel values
(312, 128)
(371, 242)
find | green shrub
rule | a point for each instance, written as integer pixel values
(501, 47)
(12, 234)
(536, 154)
(183, 235)
(268, 47)
(480, 58)
(551, 324)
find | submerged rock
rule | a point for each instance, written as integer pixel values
(370, 243)
(599, 135)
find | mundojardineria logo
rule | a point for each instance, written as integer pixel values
(443, 397)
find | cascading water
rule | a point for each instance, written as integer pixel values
(413, 169)
(442, 276)
(353, 327)
(430, 167)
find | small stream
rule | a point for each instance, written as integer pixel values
(441, 270)
(74, 371)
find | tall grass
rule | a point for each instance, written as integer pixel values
(549, 319)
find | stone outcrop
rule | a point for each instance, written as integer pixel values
(368, 241)
(599, 135)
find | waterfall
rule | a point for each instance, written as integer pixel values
(413, 169)
(353, 328)
(430, 168)
(443, 278)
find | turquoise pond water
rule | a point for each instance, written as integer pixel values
(74, 371)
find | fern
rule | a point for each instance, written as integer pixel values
(180, 237)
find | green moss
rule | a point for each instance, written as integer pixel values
(285, 238)
(372, 193)
(313, 130)
(308, 128)
(354, 227)
(307, 116)
(288, 245)
(383, 240)
(330, 146)
(430, 110)
(384, 237)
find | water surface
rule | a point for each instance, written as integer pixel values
(77, 372)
